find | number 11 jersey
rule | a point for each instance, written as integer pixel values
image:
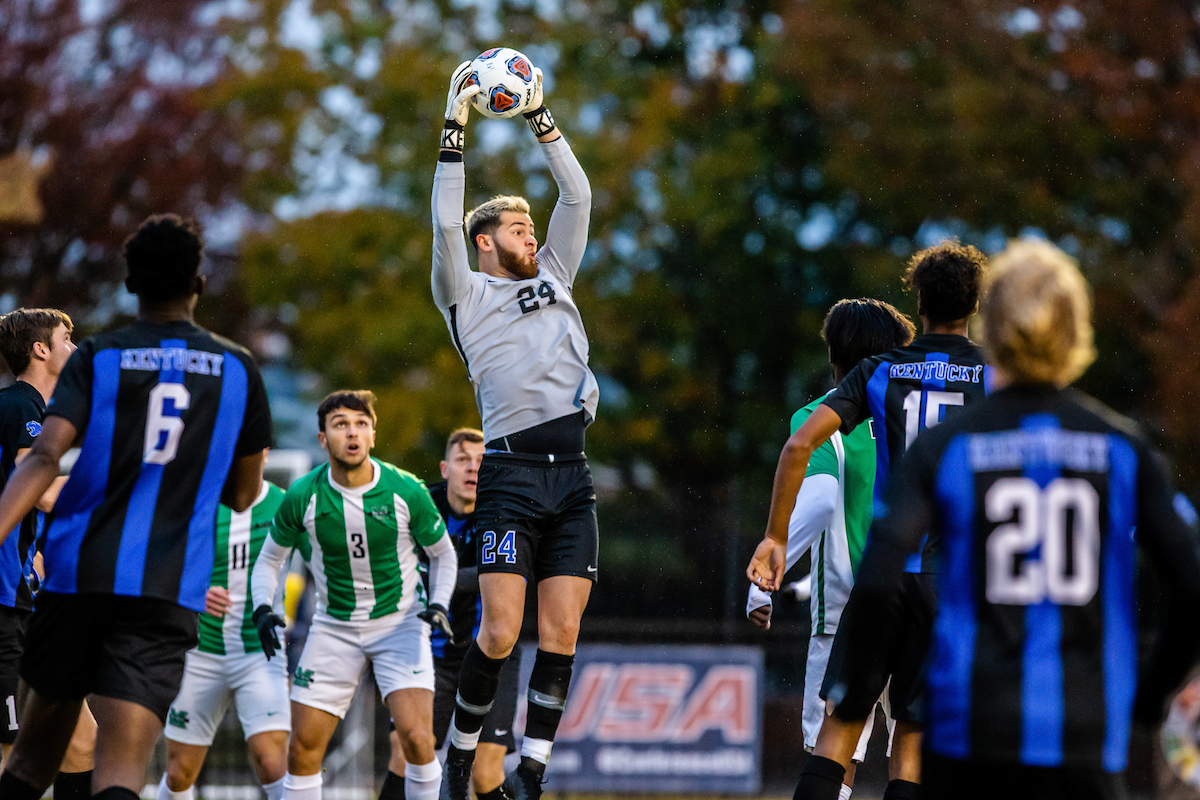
(905, 391)
(163, 410)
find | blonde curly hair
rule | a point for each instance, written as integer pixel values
(1037, 315)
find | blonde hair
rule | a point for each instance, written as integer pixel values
(1037, 314)
(485, 218)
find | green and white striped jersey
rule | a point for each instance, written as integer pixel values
(850, 459)
(240, 537)
(360, 544)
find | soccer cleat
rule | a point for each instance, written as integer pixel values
(522, 784)
(456, 775)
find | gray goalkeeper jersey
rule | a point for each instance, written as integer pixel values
(522, 340)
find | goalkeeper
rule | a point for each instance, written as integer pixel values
(357, 522)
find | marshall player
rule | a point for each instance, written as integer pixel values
(357, 523)
(904, 391)
(173, 419)
(1041, 496)
(834, 508)
(228, 665)
(36, 343)
(517, 328)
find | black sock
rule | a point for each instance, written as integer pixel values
(821, 779)
(13, 788)
(902, 790)
(73, 786)
(392, 789)
(116, 793)
(548, 685)
(494, 794)
(477, 683)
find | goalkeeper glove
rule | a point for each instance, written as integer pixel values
(439, 619)
(458, 106)
(539, 119)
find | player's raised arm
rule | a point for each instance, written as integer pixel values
(451, 269)
(566, 236)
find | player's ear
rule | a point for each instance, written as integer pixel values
(322, 440)
(445, 469)
(199, 284)
(483, 242)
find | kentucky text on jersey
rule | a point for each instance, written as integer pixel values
(1083, 452)
(937, 371)
(179, 359)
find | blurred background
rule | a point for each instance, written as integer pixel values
(752, 161)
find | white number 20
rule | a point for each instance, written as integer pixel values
(1032, 516)
(163, 431)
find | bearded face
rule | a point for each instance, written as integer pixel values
(514, 262)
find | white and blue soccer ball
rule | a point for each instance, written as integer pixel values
(506, 82)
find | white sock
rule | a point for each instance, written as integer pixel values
(166, 794)
(274, 790)
(537, 749)
(422, 781)
(844, 792)
(302, 787)
(463, 741)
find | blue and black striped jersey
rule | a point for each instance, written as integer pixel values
(21, 411)
(905, 391)
(1037, 493)
(163, 410)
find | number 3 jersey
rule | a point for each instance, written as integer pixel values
(1037, 493)
(522, 340)
(360, 543)
(905, 391)
(240, 537)
(163, 410)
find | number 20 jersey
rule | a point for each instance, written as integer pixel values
(163, 410)
(1037, 493)
(905, 391)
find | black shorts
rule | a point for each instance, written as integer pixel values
(127, 648)
(861, 666)
(536, 517)
(498, 724)
(943, 777)
(12, 644)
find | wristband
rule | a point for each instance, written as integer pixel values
(453, 138)
(540, 121)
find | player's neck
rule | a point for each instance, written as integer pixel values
(37, 376)
(956, 327)
(459, 505)
(352, 477)
(162, 312)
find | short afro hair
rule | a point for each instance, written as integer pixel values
(163, 257)
(948, 279)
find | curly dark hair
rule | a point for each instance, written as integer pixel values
(163, 257)
(948, 279)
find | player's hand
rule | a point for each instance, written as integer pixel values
(439, 619)
(266, 620)
(768, 565)
(458, 98)
(217, 601)
(761, 617)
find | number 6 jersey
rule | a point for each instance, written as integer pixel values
(163, 410)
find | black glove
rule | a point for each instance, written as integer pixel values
(438, 618)
(266, 620)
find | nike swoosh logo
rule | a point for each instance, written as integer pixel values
(500, 732)
(417, 671)
(591, 569)
(272, 713)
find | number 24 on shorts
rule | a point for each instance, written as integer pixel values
(507, 547)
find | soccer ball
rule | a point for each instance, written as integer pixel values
(506, 82)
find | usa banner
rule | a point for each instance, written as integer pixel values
(664, 718)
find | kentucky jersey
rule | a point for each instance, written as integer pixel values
(905, 391)
(1036, 493)
(522, 340)
(240, 537)
(21, 411)
(466, 607)
(360, 543)
(163, 410)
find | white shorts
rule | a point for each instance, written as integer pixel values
(819, 646)
(336, 653)
(257, 687)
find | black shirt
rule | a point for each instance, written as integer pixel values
(22, 409)
(163, 410)
(466, 607)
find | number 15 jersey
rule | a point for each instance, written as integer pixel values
(905, 391)
(163, 410)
